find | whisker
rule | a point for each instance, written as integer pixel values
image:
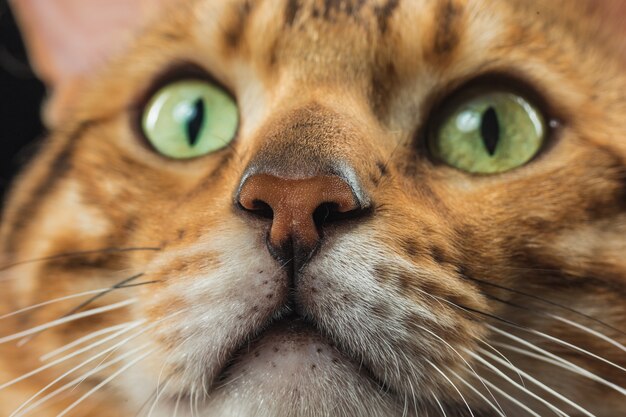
(549, 302)
(68, 319)
(566, 321)
(177, 404)
(101, 366)
(145, 403)
(82, 340)
(541, 385)
(193, 400)
(134, 336)
(77, 380)
(568, 345)
(544, 335)
(103, 383)
(443, 412)
(512, 399)
(71, 297)
(503, 357)
(515, 325)
(157, 393)
(462, 358)
(451, 383)
(77, 254)
(467, 309)
(158, 397)
(562, 364)
(413, 397)
(590, 331)
(102, 294)
(120, 285)
(69, 356)
(55, 300)
(140, 284)
(497, 409)
(556, 360)
(498, 372)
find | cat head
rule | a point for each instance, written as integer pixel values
(332, 207)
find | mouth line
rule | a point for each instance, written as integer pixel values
(290, 319)
(285, 316)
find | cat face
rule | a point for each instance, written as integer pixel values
(312, 234)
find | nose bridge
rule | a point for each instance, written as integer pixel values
(302, 142)
(300, 180)
(310, 141)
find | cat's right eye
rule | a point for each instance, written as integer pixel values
(190, 118)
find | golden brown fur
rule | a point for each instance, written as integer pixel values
(446, 258)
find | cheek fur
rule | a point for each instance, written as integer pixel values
(134, 284)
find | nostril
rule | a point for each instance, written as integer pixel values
(330, 212)
(322, 213)
(259, 208)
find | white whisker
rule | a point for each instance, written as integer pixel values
(413, 396)
(69, 356)
(101, 366)
(443, 412)
(136, 335)
(103, 383)
(158, 388)
(497, 409)
(158, 397)
(177, 404)
(53, 301)
(90, 336)
(540, 385)
(505, 358)
(453, 385)
(498, 372)
(569, 345)
(75, 381)
(590, 331)
(462, 358)
(512, 399)
(562, 363)
(67, 319)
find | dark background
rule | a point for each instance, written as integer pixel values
(20, 102)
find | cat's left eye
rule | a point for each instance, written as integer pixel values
(190, 118)
(488, 132)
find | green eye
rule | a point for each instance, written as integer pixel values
(489, 133)
(190, 118)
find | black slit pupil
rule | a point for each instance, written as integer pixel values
(490, 130)
(194, 125)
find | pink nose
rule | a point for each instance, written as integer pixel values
(299, 207)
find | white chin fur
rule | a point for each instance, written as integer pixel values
(290, 372)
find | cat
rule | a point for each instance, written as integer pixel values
(320, 208)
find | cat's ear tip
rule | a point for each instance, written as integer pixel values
(67, 40)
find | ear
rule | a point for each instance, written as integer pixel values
(68, 40)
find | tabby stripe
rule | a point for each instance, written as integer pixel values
(58, 168)
(447, 36)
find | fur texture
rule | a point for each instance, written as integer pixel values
(496, 294)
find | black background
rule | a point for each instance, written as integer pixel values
(20, 102)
